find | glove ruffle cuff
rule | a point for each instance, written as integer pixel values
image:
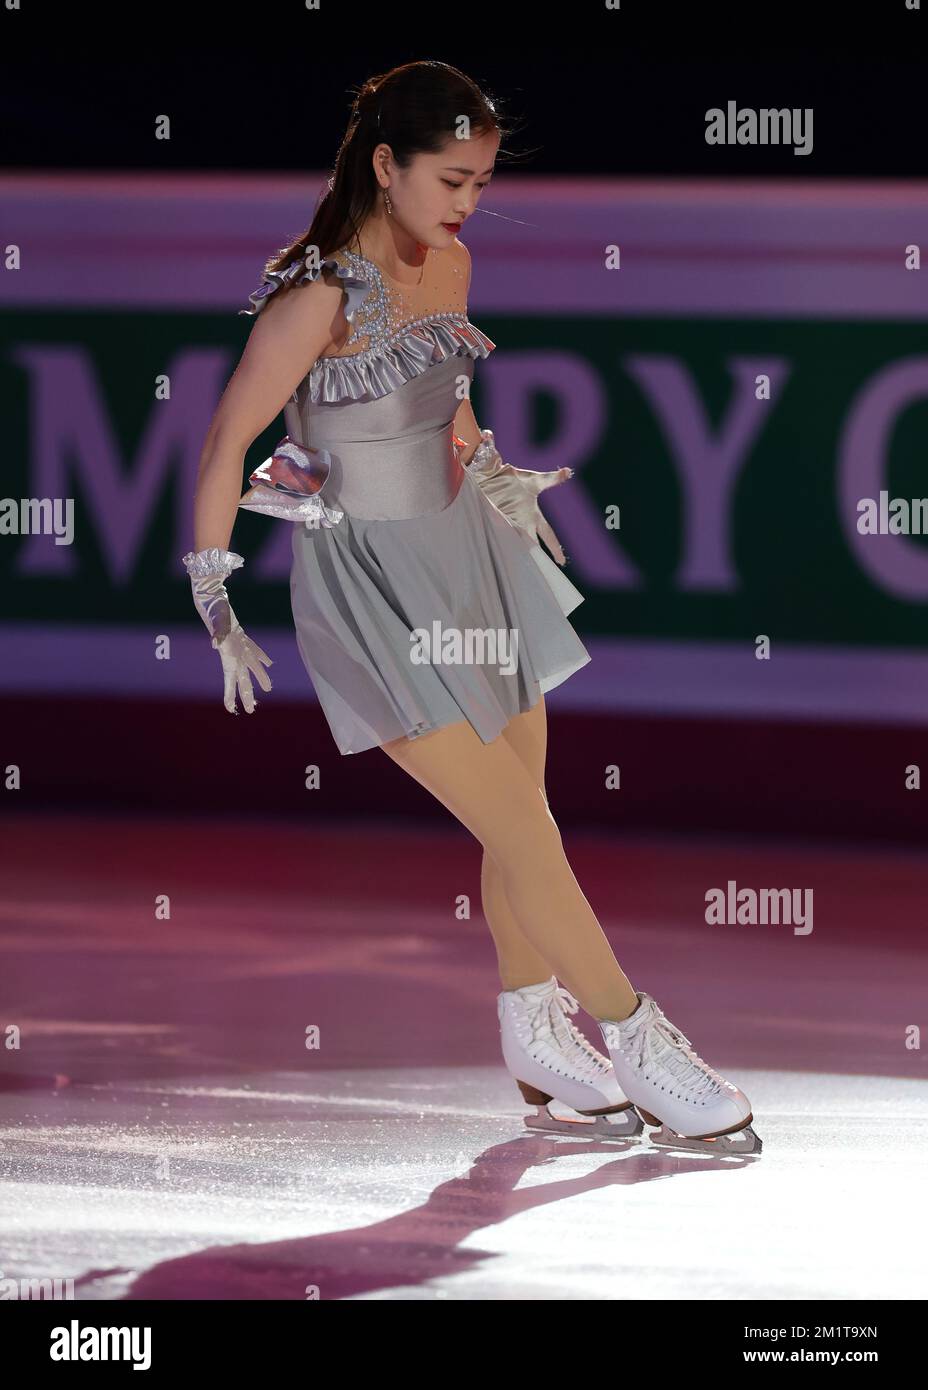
(201, 564)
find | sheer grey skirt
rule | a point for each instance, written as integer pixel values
(408, 626)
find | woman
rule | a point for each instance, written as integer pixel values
(410, 531)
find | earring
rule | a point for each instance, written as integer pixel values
(387, 204)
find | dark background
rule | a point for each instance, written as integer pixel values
(246, 90)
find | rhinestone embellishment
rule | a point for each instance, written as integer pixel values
(383, 316)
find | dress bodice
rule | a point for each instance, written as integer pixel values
(396, 331)
(375, 419)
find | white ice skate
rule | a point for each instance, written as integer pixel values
(670, 1086)
(550, 1059)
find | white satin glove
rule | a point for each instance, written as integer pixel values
(515, 492)
(239, 654)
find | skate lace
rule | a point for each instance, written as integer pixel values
(655, 1040)
(549, 1021)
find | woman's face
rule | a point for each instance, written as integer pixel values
(438, 192)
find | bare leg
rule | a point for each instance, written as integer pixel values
(488, 788)
(518, 960)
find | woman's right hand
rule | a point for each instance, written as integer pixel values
(241, 657)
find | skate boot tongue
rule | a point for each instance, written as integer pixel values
(552, 1005)
(542, 1002)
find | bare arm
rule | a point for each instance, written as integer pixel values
(293, 328)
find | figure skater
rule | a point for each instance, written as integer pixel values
(428, 617)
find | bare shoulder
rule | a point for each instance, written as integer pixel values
(305, 299)
(306, 312)
(462, 263)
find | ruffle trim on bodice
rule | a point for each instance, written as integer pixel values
(303, 272)
(378, 370)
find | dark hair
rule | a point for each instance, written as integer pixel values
(415, 109)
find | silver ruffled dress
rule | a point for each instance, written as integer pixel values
(417, 601)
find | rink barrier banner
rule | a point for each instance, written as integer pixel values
(729, 369)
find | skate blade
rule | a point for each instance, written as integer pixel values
(743, 1141)
(622, 1124)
